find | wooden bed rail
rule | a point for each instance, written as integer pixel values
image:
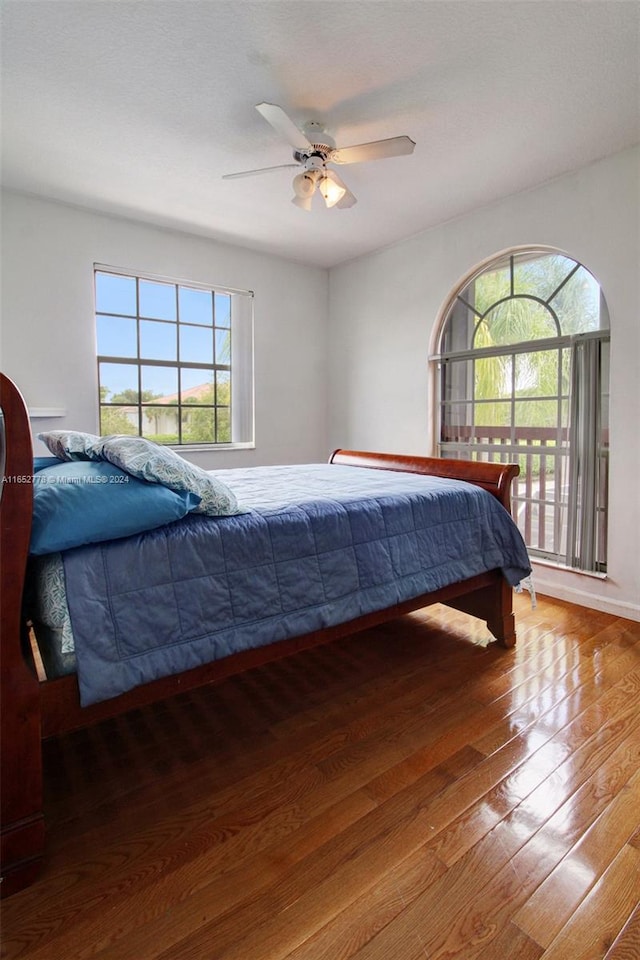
(494, 477)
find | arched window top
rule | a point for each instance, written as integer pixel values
(521, 297)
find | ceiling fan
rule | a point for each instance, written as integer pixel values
(313, 149)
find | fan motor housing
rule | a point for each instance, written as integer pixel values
(321, 150)
(322, 145)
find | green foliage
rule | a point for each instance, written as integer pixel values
(131, 396)
(210, 396)
(115, 420)
(198, 423)
(574, 297)
(521, 318)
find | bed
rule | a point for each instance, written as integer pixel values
(341, 549)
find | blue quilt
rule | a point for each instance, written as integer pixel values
(320, 545)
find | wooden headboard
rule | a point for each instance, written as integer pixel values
(16, 501)
(21, 816)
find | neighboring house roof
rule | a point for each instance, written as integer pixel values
(193, 392)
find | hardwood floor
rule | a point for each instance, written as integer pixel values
(408, 793)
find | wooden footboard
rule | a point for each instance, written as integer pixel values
(491, 602)
(31, 709)
(494, 477)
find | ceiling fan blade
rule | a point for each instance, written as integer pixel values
(284, 125)
(376, 150)
(253, 173)
(348, 199)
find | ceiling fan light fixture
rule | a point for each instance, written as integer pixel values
(304, 184)
(331, 191)
(303, 202)
(313, 148)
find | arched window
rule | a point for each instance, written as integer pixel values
(523, 361)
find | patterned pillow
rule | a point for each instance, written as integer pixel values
(69, 444)
(149, 461)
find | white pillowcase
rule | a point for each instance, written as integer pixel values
(69, 444)
(149, 461)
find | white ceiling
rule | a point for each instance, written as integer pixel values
(138, 108)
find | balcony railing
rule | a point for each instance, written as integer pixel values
(540, 495)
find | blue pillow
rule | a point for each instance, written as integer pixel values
(80, 502)
(39, 463)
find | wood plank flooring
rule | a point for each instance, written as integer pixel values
(411, 792)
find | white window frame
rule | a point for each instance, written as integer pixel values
(241, 365)
(580, 509)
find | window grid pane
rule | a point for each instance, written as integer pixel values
(164, 369)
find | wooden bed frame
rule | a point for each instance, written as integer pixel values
(33, 709)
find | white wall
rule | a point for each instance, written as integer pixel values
(384, 307)
(48, 331)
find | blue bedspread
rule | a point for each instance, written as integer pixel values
(320, 544)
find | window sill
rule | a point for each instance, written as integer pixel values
(555, 565)
(46, 413)
(209, 447)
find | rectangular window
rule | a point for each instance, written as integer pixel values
(175, 359)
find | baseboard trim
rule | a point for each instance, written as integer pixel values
(584, 598)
